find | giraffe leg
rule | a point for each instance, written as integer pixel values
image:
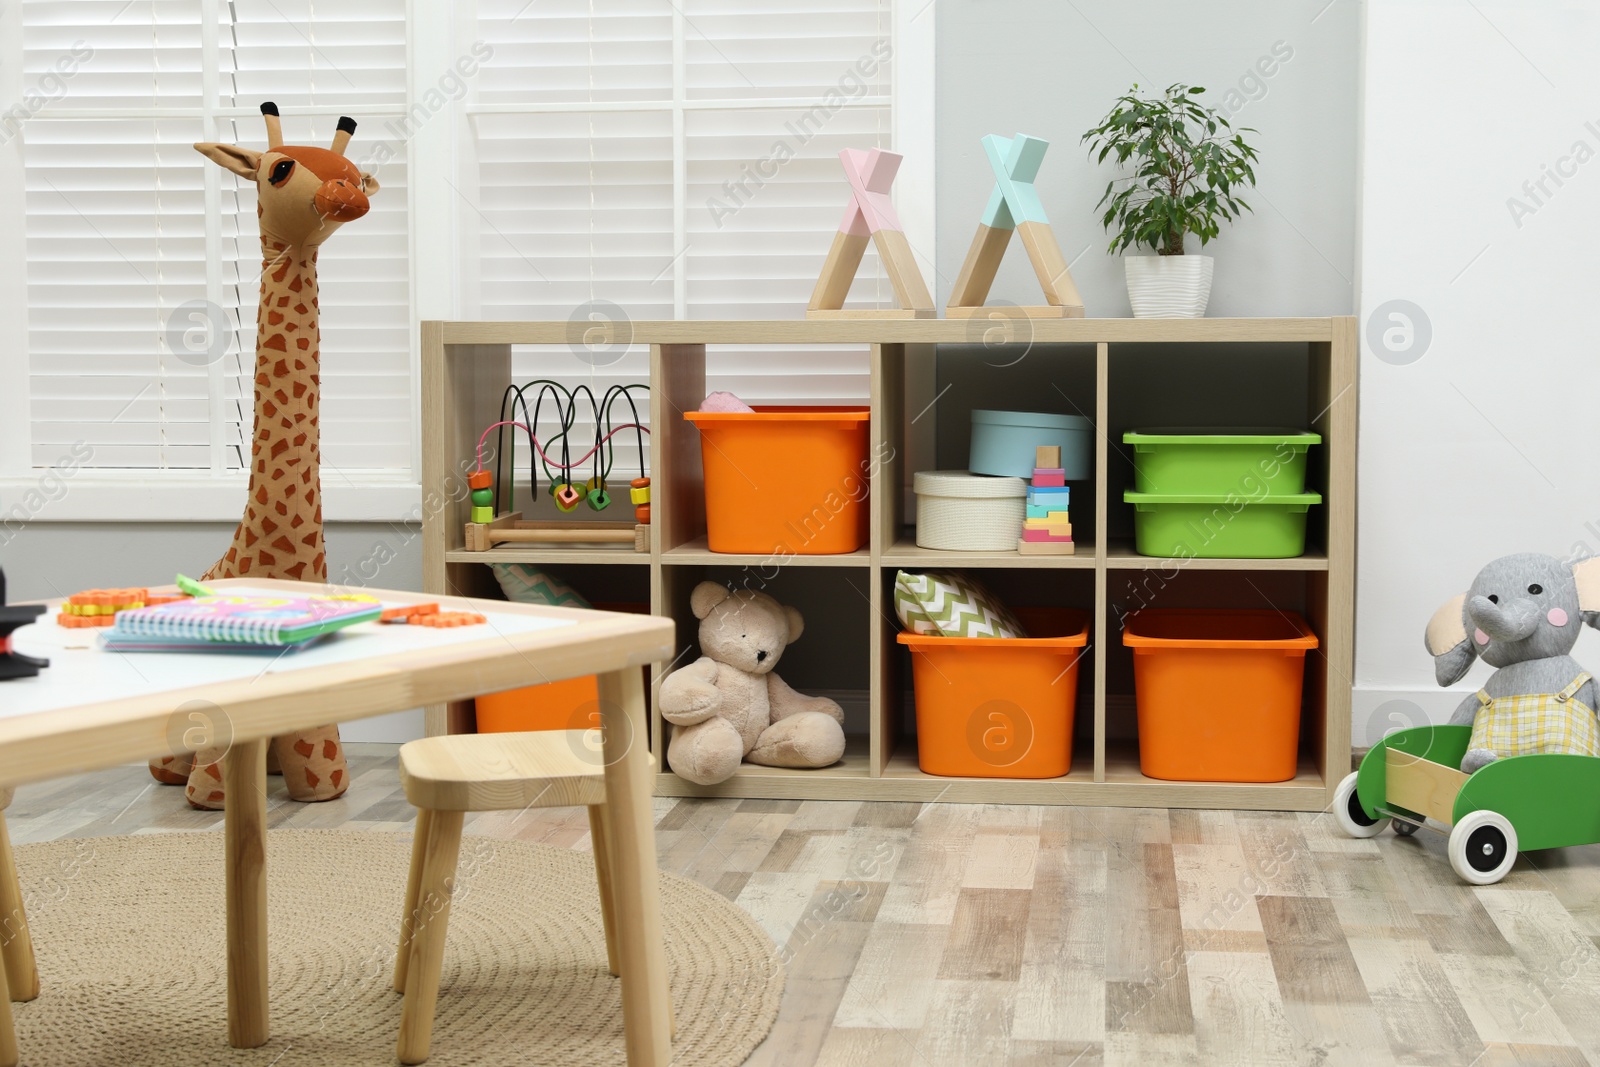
(272, 760)
(172, 770)
(313, 764)
(204, 789)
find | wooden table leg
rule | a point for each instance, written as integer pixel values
(244, 774)
(646, 1004)
(8, 1035)
(22, 974)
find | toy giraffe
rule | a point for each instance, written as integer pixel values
(304, 195)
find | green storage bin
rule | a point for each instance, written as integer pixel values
(1193, 460)
(1219, 525)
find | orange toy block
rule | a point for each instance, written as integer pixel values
(445, 619)
(408, 612)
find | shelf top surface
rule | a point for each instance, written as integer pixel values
(999, 327)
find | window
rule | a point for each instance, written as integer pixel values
(637, 158)
(143, 257)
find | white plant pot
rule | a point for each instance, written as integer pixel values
(1168, 287)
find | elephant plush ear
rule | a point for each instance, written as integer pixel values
(1586, 575)
(1447, 642)
(706, 596)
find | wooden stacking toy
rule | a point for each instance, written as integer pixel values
(1015, 205)
(1047, 528)
(870, 216)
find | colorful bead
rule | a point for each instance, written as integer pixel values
(480, 480)
(598, 498)
(483, 498)
(483, 514)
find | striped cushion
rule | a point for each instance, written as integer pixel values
(950, 604)
(527, 584)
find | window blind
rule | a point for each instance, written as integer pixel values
(140, 339)
(623, 175)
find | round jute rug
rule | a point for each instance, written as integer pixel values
(129, 936)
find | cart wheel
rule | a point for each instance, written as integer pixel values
(1347, 809)
(1483, 847)
(1403, 828)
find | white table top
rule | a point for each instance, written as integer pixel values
(92, 708)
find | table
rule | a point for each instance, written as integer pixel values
(92, 709)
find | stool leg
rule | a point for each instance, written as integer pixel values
(602, 873)
(8, 1034)
(16, 943)
(408, 915)
(646, 1002)
(434, 888)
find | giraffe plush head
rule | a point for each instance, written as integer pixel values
(304, 193)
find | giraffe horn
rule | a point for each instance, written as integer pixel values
(347, 126)
(269, 111)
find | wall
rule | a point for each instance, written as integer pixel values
(57, 559)
(1467, 448)
(1052, 70)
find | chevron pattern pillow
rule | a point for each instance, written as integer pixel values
(951, 604)
(527, 584)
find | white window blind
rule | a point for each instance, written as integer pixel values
(129, 272)
(655, 159)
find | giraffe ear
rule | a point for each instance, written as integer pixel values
(242, 161)
(369, 184)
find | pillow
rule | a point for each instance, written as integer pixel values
(950, 604)
(527, 584)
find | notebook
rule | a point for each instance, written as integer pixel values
(238, 618)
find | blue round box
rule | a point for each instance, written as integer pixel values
(1003, 442)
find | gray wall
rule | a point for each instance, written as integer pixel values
(57, 559)
(1052, 70)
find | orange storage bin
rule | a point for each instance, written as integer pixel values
(1218, 692)
(999, 707)
(785, 480)
(565, 705)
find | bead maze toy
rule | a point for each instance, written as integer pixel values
(1014, 205)
(871, 216)
(1047, 527)
(490, 527)
(15, 664)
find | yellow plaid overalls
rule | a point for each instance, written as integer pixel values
(1536, 722)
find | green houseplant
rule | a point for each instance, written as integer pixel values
(1183, 168)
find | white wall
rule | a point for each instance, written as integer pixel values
(1479, 444)
(1053, 69)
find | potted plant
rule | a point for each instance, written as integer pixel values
(1187, 166)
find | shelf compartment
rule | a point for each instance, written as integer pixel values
(906, 553)
(1120, 555)
(696, 553)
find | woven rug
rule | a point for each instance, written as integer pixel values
(129, 937)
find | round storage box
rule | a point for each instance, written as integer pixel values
(1003, 442)
(964, 512)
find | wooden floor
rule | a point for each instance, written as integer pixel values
(932, 935)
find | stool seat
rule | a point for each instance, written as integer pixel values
(504, 772)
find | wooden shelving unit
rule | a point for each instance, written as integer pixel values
(1121, 372)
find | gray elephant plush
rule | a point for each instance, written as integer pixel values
(1522, 616)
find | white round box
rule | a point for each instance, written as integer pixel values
(964, 512)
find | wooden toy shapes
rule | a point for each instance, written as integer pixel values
(1015, 205)
(870, 215)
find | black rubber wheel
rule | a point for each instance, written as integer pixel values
(1486, 848)
(1358, 814)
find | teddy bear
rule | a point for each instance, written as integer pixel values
(729, 705)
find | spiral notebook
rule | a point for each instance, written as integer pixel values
(242, 618)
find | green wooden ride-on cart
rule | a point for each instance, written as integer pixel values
(1518, 802)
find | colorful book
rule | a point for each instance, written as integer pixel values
(239, 618)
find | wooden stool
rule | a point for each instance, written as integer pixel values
(446, 777)
(19, 978)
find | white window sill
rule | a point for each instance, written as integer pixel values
(93, 496)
